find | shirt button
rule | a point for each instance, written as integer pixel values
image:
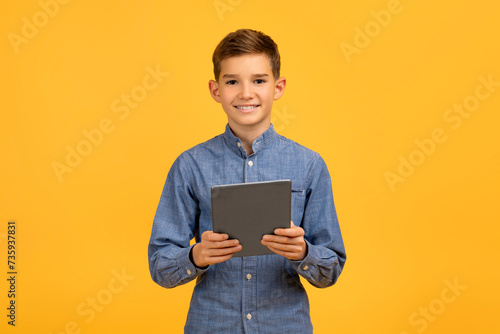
(249, 316)
(239, 144)
(250, 163)
(188, 271)
(305, 267)
(249, 276)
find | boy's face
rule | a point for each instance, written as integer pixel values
(246, 90)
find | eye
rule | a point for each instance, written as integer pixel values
(260, 81)
(231, 82)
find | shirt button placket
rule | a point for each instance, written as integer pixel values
(249, 169)
(249, 292)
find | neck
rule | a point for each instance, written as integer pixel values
(247, 135)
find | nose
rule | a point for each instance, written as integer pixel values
(246, 91)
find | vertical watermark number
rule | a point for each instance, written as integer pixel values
(11, 272)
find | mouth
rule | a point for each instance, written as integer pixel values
(247, 108)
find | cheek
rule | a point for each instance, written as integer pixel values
(227, 96)
(227, 101)
(267, 94)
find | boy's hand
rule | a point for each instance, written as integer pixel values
(214, 248)
(288, 242)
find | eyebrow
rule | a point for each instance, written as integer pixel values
(258, 75)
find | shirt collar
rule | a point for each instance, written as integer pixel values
(235, 145)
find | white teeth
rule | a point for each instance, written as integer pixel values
(246, 107)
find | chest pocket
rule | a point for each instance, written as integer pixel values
(298, 202)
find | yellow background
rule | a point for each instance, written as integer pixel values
(404, 243)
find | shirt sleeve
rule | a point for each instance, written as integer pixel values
(325, 248)
(174, 226)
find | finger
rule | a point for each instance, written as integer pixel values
(222, 244)
(282, 239)
(290, 232)
(289, 255)
(217, 252)
(294, 231)
(212, 236)
(283, 246)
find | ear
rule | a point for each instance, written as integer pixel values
(214, 90)
(279, 88)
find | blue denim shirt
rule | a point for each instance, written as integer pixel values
(255, 294)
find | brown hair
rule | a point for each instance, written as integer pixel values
(246, 41)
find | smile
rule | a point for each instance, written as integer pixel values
(247, 108)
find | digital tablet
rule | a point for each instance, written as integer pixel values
(247, 211)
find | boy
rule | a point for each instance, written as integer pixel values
(254, 294)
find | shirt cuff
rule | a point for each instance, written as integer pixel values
(187, 268)
(308, 266)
